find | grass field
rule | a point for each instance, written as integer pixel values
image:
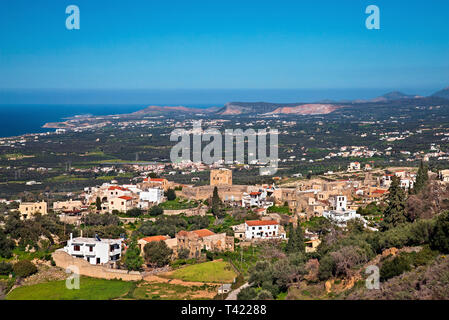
(168, 291)
(90, 289)
(213, 272)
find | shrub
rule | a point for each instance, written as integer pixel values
(156, 211)
(440, 234)
(247, 293)
(24, 268)
(394, 267)
(183, 253)
(264, 295)
(327, 268)
(134, 212)
(157, 253)
(5, 268)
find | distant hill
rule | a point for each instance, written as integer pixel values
(266, 108)
(442, 93)
(157, 110)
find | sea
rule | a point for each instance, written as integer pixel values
(26, 111)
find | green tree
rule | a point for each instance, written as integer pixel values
(422, 178)
(98, 203)
(170, 194)
(134, 212)
(247, 293)
(295, 240)
(132, 259)
(394, 213)
(6, 245)
(155, 211)
(24, 268)
(217, 209)
(157, 253)
(440, 234)
(394, 267)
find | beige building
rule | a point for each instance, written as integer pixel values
(170, 242)
(197, 240)
(121, 204)
(70, 205)
(28, 209)
(220, 177)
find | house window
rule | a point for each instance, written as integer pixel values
(76, 248)
(91, 248)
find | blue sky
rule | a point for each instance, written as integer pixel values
(224, 44)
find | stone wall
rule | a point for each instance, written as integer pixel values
(64, 260)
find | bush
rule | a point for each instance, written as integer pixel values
(5, 268)
(394, 267)
(157, 253)
(170, 194)
(327, 268)
(247, 293)
(24, 268)
(183, 254)
(440, 234)
(264, 295)
(134, 212)
(156, 211)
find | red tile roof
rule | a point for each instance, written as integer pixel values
(200, 233)
(203, 233)
(154, 238)
(126, 198)
(117, 188)
(254, 223)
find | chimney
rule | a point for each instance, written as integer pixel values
(81, 233)
(71, 236)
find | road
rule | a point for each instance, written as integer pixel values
(233, 294)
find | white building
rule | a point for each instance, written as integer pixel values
(341, 215)
(153, 195)
(94, 250)
(263, 229)
(354, 166)
(256, 199)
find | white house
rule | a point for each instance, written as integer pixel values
(263, 229)
(341, 215)
(153, 195)
(94, 250)
(256, 199)
(354, 166)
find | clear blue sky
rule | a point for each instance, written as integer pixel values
(224, 44)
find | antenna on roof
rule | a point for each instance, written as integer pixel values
(97, 237)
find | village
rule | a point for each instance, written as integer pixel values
(265, 213)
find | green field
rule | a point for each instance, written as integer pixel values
(177, 205)
(213, 272)
(167, 291)
(90, 289)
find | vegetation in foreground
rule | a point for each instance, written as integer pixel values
(90, 289)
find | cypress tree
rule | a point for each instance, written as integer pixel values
(421, 178)
(295, 239)
(394, 213)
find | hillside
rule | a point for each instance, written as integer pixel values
(442, 93)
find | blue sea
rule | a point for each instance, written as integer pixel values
(21, 119)
(26, 111)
